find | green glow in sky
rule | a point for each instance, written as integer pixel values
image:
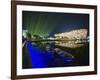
(40, 24)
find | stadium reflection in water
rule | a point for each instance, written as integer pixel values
(46, 53)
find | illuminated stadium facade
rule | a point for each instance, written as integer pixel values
(74, 34)
(73, 38)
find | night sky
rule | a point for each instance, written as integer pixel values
(50, 23)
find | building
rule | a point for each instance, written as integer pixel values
(74, 34)
(72, 38)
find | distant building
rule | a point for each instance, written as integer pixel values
(74, 34)
(24, 33)
(74, 37)
(51, 38)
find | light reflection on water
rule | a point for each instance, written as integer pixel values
(45, 55)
